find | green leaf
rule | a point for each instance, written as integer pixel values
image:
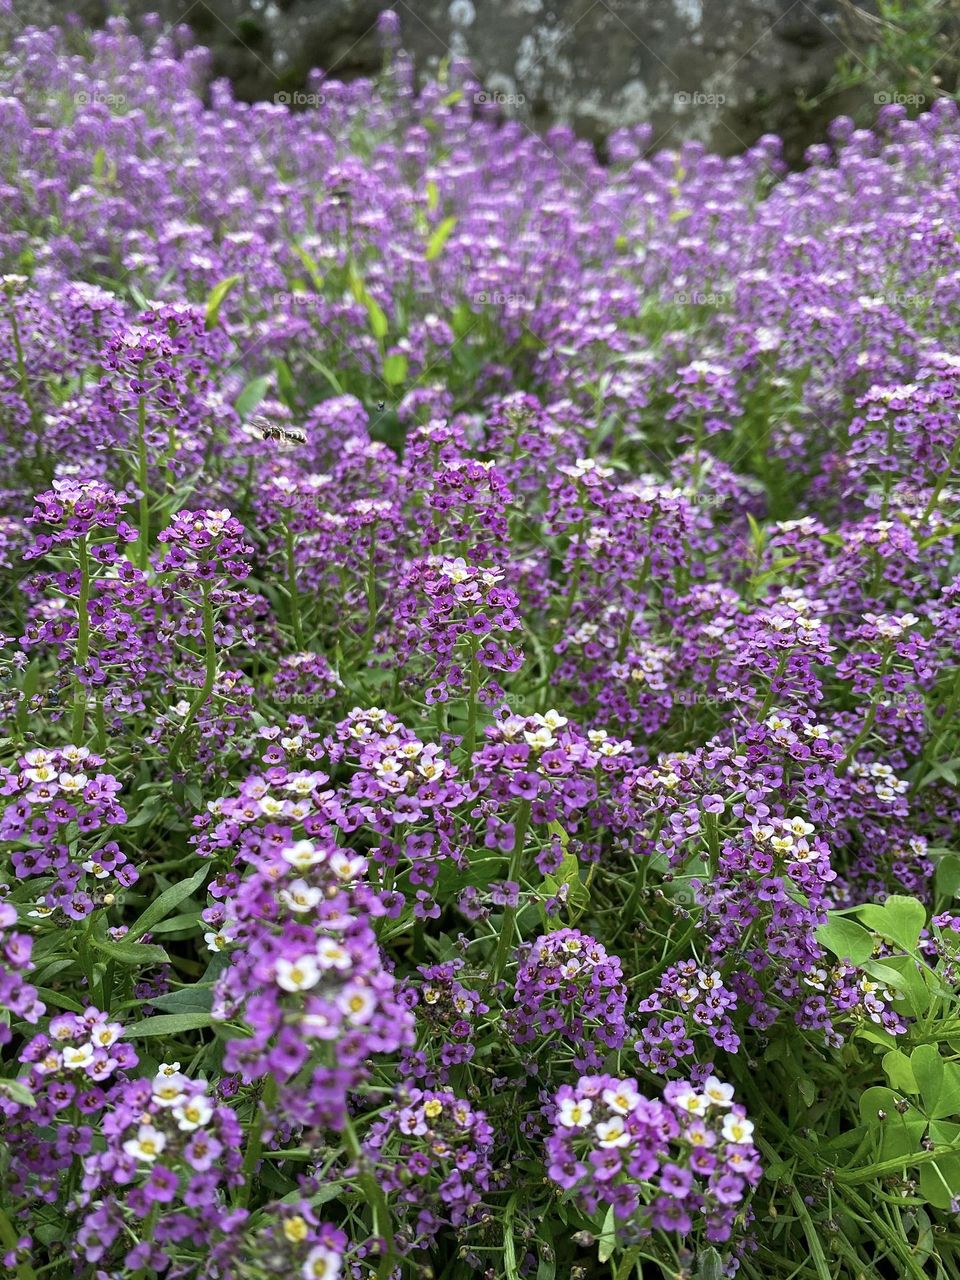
(394, 369)
(629, 1260)
(607, 1241)
(215, 301)
(285, 384)
(330, 376)
(846, 939)
(509, 1246)
(947, 879)
(899, 1072)
(195, 999)
(379, 325)
(927, 1067)
(170, 1024)
(135, 953)
(433, 195)
(439, 238)
(900, 919)
(310, 264)
(166, 901)
(709, 1265)
(251, 395)
(17, 1092)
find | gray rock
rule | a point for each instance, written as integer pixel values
(721, 71)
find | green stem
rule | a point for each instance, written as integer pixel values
(143, 548)
(148, 1229)
(292, 588)
(254, 1149)
(371, 596)
(371, 1188)
(771, 695)
(210, 675)
(470, 737)
(945, 475)
(868, 724)
(505, 943)
(8, 1237)
(83, 643)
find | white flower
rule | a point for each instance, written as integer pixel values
(612, 1133)
(574, 1113)
(73, 783)
(718, 1093)
(321, 1264)
(299, 896)
(346, 868)
(358, 1003)
(147, 1145)
(78, 1057)
(168, 1068)
(303, 854)
(193, 1113)
(736, 1129)
(168, 1089)
(216, 941)
(298, 975)
(695, 1104)
(622, 1099)
(330, 955)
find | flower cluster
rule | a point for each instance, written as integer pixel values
(678, 1164)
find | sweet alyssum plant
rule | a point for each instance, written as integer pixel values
(479, 689)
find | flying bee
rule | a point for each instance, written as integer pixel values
(273, 431)
(380, 405)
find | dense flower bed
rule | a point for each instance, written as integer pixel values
(479, 683)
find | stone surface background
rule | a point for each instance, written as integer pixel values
(722, 71)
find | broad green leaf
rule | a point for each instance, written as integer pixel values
(16, 1091)
(899, 1072)
(165, 902)
(900, 919)
(215, 301)
(607, 1240)
(379, 325)
(439, 238)
(135, 953)
(251, 395)
(948, 875)
(709, 1265)
(195, 999)
(394, 369)
(846, 939)
(170, 1024)
(927, 1067)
